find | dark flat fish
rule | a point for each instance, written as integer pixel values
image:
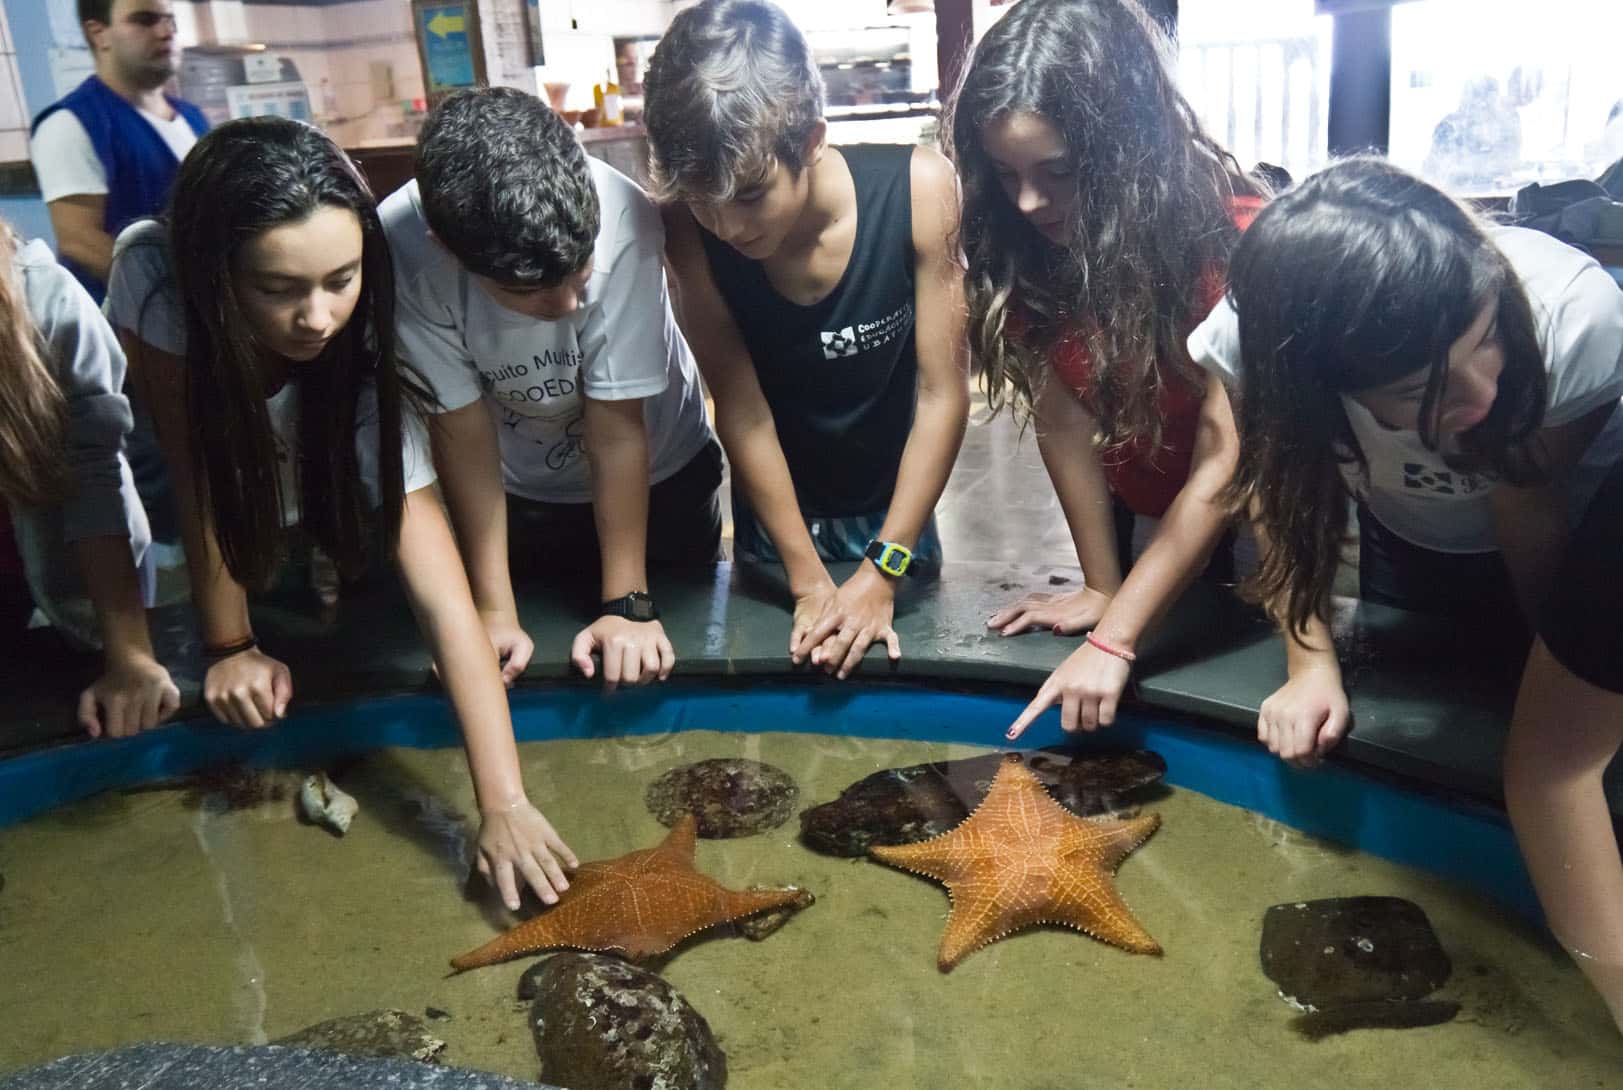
(1404, 1014)
(390, 1034)
(731, 796)
(906, 805)
(1355, 963)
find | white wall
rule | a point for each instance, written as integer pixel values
(339, 44)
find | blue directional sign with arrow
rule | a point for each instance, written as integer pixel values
(447, 46)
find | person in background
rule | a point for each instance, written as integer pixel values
(1458, 381)
(820, 289)
(63, 418)
(258, 322)
(106, 154)
(532, 299)
(1098, 221)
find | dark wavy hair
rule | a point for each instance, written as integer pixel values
(506, 187)
(1360, 276)
(1149, 224)
(731, 89)
(244, 178)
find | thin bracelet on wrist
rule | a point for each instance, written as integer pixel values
(226, 650)
(1125, 656)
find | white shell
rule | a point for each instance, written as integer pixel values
(327, 804)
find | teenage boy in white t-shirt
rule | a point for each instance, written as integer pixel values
(531, 296)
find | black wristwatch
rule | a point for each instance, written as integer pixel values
(635, 606)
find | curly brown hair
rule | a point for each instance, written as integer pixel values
(1149, 224)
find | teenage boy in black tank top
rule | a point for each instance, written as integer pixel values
(824, 304)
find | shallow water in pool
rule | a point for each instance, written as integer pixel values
(136, 916)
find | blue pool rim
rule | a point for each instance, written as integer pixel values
(1460, 841)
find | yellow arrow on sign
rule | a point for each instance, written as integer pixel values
(443, 24)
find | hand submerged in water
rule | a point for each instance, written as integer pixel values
(518, 841)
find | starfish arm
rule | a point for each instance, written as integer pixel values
(1096, 908)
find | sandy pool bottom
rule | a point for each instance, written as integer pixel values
(138, 917)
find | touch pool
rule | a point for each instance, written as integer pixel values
(162, 915)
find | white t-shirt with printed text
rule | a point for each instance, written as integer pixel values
(622, 343)
(65, 161)
(1578, 311)
(142, 300)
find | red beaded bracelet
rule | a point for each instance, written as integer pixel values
(1125, 656)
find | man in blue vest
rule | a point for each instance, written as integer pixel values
(106, 154)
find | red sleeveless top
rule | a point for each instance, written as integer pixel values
(1148, 480)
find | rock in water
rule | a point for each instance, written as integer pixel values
(603, 1024)
(907, 805)
(391, 1034)
(763, 924)
(1355, 963)
(730, 796)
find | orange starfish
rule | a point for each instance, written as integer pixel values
(640, 904)
(1022, 859)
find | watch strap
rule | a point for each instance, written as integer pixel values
(636, 606)
(889, 557)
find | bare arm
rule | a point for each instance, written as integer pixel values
(514, 836)
(248, 689)
(1065, 434)
(1065, 438)
(135, 692)
(1531, 521)
(468, 462)
(80, 237)
(943, 352)
(1089, 684)
(617, 445)
(1188, 530)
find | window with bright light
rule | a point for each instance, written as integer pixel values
(1258, 74)
(1489, 95)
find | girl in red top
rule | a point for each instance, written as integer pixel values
(1098, 219)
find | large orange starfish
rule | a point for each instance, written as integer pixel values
(640, 904)
(1022, 859)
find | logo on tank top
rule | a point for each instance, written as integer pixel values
(862, 337)
(840, 343)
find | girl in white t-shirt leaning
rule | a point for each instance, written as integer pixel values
(1459, 379)
(258, 322)
(63, 419)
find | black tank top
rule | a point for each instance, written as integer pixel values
(840, 376)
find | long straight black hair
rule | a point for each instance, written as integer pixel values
(1360, 276)
(243, 179)
(1150, 222)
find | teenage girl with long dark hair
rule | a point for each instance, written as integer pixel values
(1460, 382)
(1098, 219)
(259, 325)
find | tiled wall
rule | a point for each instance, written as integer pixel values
(335, 48)
(13, 108)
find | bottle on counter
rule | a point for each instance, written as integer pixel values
(606, 96)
